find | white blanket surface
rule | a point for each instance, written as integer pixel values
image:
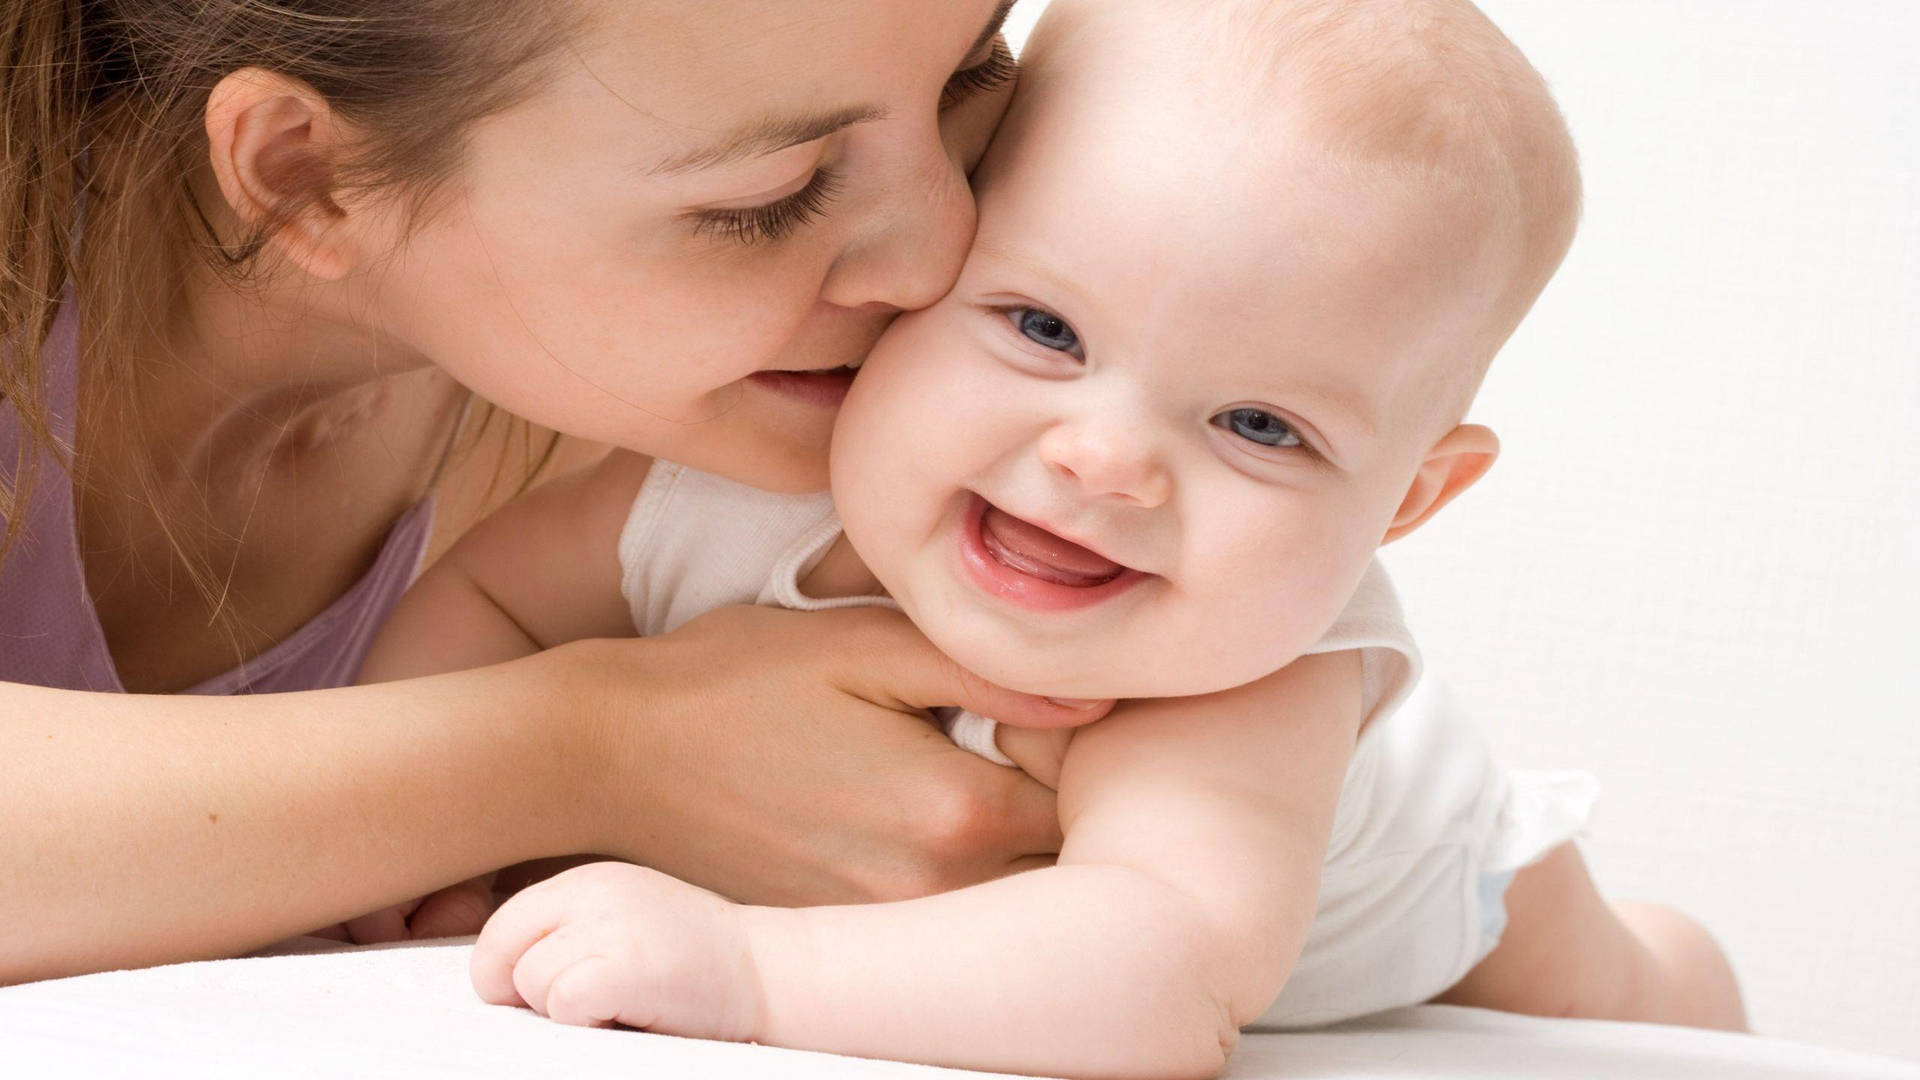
(409, 1012)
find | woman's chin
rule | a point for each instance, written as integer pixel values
(782, 468)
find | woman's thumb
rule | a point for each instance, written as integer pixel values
(933, 679)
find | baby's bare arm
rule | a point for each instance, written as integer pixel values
(542, 571)
(1195, 830)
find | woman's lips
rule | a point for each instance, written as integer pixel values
(1024, 564)
(828, 388)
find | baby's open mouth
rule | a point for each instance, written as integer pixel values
(1030, 566)
(1030, 549)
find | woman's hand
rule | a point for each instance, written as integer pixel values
(773, 756)
(783, 758)
(455, 911)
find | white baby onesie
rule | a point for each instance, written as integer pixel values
(1428, 829)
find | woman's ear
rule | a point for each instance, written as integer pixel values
(1461, 457)
(272, 142)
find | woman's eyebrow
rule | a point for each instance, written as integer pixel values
(773, 133)
(765, 136)
(994, 25)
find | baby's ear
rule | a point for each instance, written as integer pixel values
(1461, 457)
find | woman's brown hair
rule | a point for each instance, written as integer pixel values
(102, 108)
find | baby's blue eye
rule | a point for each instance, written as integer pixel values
(1258, 425)
(1046, 329)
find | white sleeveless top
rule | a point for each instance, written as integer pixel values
(1424, 815)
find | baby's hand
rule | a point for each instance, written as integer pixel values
(613, 943)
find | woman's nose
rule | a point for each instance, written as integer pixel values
(910, 252)
(1106, 462)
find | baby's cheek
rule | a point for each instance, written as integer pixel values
(1248, 630)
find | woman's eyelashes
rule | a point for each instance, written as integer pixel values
(754, 225)
(998, 70)
(1047, 330)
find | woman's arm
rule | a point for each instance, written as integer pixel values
(144, 830)
(1195, 830)
(520, 581)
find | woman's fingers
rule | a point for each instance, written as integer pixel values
(380, 927)
(1030, 862)
(782, 760)
(907, 668)
(1032, 819)
(455, 911)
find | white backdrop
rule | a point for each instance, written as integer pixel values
(1694, 570)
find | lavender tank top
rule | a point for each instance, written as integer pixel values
(49, 631)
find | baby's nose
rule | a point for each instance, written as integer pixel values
(1107, 464)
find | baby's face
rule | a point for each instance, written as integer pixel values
(1148, 444)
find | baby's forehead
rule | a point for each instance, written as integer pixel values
(1314, 294)
(1124, 160)
(1230, 107)
(1398, 156)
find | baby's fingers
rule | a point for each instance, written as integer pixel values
(590, 992)
(520, 924)
(535, 973)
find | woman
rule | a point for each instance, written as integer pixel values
(261, 258)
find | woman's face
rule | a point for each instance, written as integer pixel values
(707, 210)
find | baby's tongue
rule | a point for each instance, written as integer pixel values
(1033, 550)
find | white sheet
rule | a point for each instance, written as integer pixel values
(408, 1012)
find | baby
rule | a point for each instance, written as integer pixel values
(1240, 268)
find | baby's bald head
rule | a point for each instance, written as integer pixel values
(1424, 102)
(1428, 93)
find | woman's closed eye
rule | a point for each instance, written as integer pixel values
(1260, 427)
(769, 224)
(997, 71)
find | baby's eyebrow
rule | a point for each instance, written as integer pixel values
(1057, 282)
(767, 135)
(1348, 409)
